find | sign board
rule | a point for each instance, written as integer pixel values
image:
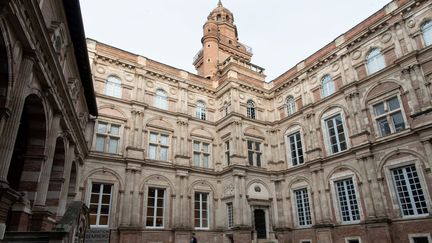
(97, 235)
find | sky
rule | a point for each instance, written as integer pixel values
(281, 33)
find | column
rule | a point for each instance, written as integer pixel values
(315, 196)
(125, 219)
(274, 204)
(410, 89)
(428, 148)
(139, 132)
(136, 204)
(132, 128)
(376, 192)
(70, 156)
(423, 85)
(323, 197)
(366, 188)
(46, 166)
(10, 128)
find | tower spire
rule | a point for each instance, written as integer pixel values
(219, 3)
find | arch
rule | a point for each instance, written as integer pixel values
(264, 194)
(157, 177)
(112, 111)
(202, 182)
(159, 122)
(259, 181)
(329, 108)
(384, 84)
(202, 131)
(254, 132)
(56, 176)
(299, 178)
(102, 170)
(388, 156)
(293, 125)
(341, 168)
(72, 182)
(374, 60)
(113, 86)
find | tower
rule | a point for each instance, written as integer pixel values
(219, 42)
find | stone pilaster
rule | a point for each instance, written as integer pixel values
(413, 100)
(70, 157)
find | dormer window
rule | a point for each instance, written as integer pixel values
(218, 18)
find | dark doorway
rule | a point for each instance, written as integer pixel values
(260, 224)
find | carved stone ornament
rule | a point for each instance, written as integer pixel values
(211, 101)
(150, 84)
(297, 89)
(100, 70)
(129, 77)
(241, 96)
(191, 96)
(228, 190)
(279, 99)
(257, 189)
(356, 55)
(313, 80)
(335, 67)
(411, 23)
(173, 91)
(386, 37)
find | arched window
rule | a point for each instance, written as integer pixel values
(226, 108)
(113, 87)
(328, 86)
(200, 112)
(161, 100)
(375, 61)
(250, 106)
(290, 105)
(426, 30)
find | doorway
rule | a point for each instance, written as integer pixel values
(260, 223)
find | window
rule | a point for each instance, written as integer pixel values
(200, 110)
(100, 204)
(305, 241)
(201, 154)
(201, 209)
(226, 109)
(155, 207)
(107, 137)
(420, 238)
(336, 134)
(352, 240)
(254, 153)
(250, 109)
(113, 87)
(161, 100)
(388, 116)
(158, 146)
(409, 191)
(290, 106)
(303, 209)
(227, 152)
(375, 61)
(426, 30)
(347, 200)
(328, 86)
(230, 215)
(295, 149)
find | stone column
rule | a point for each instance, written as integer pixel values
(126, 214)
(70, 157)
(323, 191)
(315, 196)
(410, 90)
(423, 85)
(139, 132)
(45, 173)
(428, 148)
(376, 192)
(132, 134)
(238, 210)
(11, 125)
(366, 188)
(274, 204)
(136, 204)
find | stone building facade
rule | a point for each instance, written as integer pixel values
(335, 150)
(46, 100)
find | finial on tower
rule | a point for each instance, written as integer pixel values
(220, 3)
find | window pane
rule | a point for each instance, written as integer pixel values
(196, 159)
(205, 147)
(103, 220)
(196, 146)
(115, 129)
(153, 137)
(427, 33)
(102, 127)
(379, 109)
(393, 103)
(100, 143)
(164, 139)
(163, 153)
(152, 151)
(206, 161)
(249, 144)
(398, 121)
(113, 143)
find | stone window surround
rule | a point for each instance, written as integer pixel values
(291, 131)
(328, 80)
(341, 176)
(115, 88)
(230, 214)
(348, 239)
(392, 190)
(298, 186)
(167, 203)
(109, 121)
(383, 98)
(305, 241)
(114, 196)
(210, 207)
(227, 152)
(412, 236)
(158, 98)
(328, 114)
(380, 55)
(261, 142)
(201, 140)
(428, 30)
(159, 131)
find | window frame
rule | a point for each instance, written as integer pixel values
(255, 152)
(290, 105)
(107, 136)
(397, 163)
(251, 111)
(338, 213)
(384, 99)
(225, 109)
(202, 153)
(161, 101)
(201, 110)
(348, 239)
(302, 186)
(200, 209)
(412, 236)
(327, 143)
(111, 204)
(426, 42)
(164, 210)
(113, 89)
(288, 134)
(327, 85)
(227, 151)
(158, 145)
(230, 214)
(376, 58)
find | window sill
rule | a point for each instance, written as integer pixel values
(391, 136)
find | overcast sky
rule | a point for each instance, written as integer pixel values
(282, 33)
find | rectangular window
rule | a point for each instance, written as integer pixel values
(230, 215)
(296, 149)
(158, 146)
(388, 116)
(107, 137)
(352, 241)
(201, 154)
(348, 205)
(227, 152)
(155, 207)
(254, 153)
(305, 241)
(100, 204)
(303, 209)
(336, 134)
(420, 239)
(412, 200)
(201, 210)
